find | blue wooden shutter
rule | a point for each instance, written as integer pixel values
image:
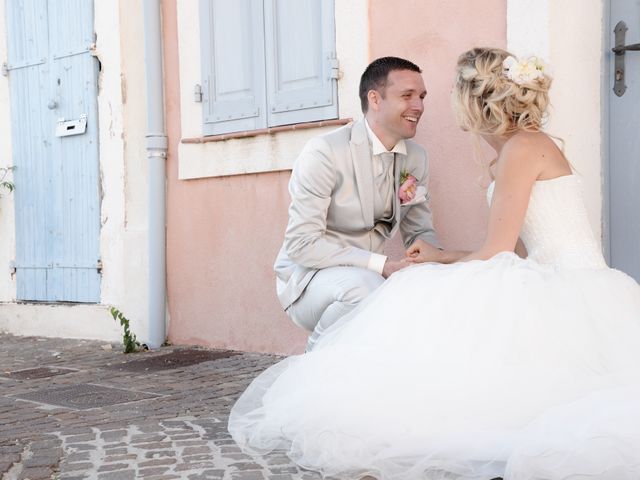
(301, 61)
(232, 65)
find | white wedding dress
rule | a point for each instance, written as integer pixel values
(514, 368)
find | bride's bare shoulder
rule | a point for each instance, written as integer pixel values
(537, 151)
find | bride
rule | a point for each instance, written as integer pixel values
(492, 365)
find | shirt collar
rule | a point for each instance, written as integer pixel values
(377, 147)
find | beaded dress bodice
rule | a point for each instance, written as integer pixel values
(556, 228)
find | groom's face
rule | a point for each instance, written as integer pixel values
(399, 107)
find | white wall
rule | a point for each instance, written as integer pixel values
(123, 173)
(568, 35)
(122, 104)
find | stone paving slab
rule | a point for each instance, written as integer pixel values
(181, 432)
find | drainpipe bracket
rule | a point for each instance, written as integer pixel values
(156, 154)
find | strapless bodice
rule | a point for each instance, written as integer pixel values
(556, 227)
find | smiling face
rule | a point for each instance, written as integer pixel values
(395, 110)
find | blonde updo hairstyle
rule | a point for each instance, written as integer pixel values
(487, 102)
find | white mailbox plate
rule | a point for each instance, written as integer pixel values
(65, 128)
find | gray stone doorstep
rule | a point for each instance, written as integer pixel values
(171, 423)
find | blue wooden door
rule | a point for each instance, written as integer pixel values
(53, 90)
(624, 145)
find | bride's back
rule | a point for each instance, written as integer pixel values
(556, 229)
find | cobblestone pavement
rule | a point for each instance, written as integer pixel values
(61, 421)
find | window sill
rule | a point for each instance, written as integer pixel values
(267, 131)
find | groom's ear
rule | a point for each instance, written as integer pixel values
(373, 96)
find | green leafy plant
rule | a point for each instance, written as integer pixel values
(129, 341)
(4, 183)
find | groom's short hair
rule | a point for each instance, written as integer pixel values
(375, 76)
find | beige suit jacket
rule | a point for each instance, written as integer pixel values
(331, 213)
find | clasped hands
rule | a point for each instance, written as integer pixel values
(419, 252)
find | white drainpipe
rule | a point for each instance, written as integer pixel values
(156, 154)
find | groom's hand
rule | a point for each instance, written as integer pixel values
(421, 252)
(391, 266)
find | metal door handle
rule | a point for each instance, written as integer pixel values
(620, 50)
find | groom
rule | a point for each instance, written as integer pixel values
(352, 189)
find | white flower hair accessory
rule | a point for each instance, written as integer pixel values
(523, 71)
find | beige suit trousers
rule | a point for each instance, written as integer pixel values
(332, 293)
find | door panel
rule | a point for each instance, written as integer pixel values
(624, 146)
(53, 77)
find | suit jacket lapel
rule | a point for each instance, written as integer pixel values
(361, 157)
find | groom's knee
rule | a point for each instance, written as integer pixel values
(357, 289)
(336, 285)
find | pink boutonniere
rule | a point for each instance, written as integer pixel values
(408, 185)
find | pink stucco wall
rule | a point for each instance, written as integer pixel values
(432, 33)
(223, 233)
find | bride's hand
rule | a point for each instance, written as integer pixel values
(421, 252)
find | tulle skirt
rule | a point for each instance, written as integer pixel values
(500, 368)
